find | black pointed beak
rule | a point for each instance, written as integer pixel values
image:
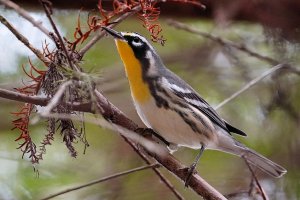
(114, 33)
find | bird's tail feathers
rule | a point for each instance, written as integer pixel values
(256, 159)
(263, 163)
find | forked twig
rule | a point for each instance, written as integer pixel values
(101, 180)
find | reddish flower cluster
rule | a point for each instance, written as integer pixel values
(22, 123)
(148, 14)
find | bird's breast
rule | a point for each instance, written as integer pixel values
(169, 124)
(139, 89)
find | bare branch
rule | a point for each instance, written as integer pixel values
(107, 178)
(84, 107)
(100, 33)
(24, 40)
(26, 16)
(47, 8)
(129, 137)
(43, 101)
(222, 41)
(250, 84)
(114, 115)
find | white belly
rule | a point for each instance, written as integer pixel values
(170, 125)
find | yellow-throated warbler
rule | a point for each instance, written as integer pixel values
(174, 110)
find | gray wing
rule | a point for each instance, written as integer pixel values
(186, 93)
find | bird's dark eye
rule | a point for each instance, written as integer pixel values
(136, 40)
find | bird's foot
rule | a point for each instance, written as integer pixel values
(190, 171)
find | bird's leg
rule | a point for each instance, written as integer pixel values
(146, 132)
(193, 166)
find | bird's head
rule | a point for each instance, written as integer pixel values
(133, 47)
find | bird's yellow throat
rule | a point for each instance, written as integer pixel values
(139, 89)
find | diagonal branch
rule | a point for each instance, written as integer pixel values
(46, 6)
(102, 102)
(84, 107)
(26, 16)
(229, 43)
(109, 111)
(199, 185)
(101, 180)
(251, 83)
(222, 41)
(24, 40)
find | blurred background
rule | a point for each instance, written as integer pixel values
(268, 112)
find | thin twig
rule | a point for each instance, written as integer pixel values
(222, 41)
(24, 40)
(100, 33)
(155, 165)
(250, 84)
(262, 192)
(26, 16)
(229, 43)
(62, 44)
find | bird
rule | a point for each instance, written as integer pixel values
(174, 110)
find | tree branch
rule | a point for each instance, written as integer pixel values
(225, 42)
(109, 111)
(47, 8)
(107, 178)
(222, 41)
(43, 101)
(26, 16)
(24, 40)
(198, 184)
